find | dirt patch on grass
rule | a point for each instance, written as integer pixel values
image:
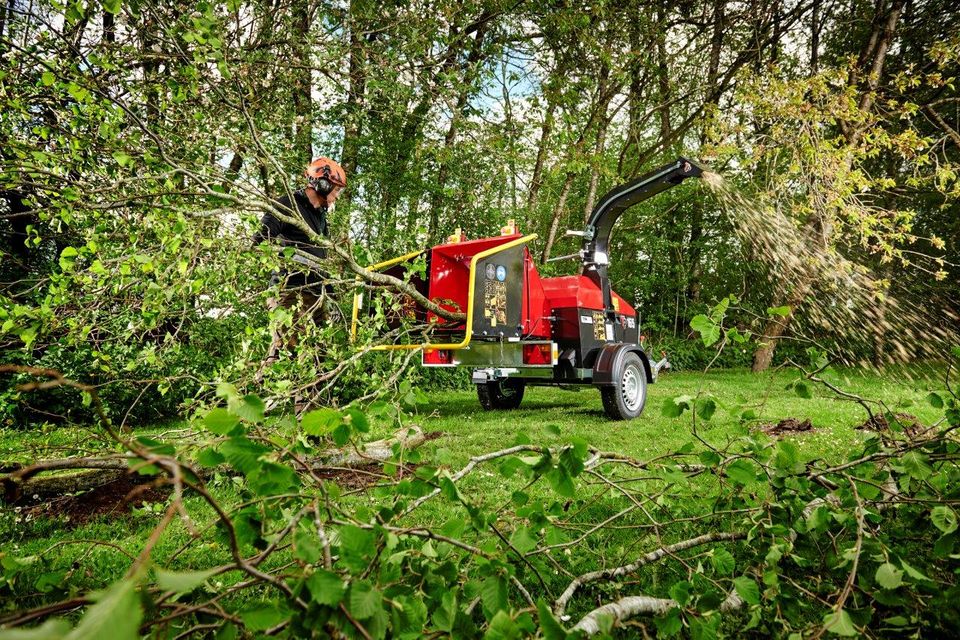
(786, 426)
(908, 423)
(363, 476)
(115, 499)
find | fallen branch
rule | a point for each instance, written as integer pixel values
(633, 606)
(649, 558)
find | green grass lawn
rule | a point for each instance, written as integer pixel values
(548, 416)
(468, 430)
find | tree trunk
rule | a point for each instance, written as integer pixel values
(233, 171)
(353, 113)
(776, 328)
(109, 29)
(637, 72)
(302, 86)
(663, 81)
(555, 218)
(596, 162)
(814, 36)
(536, 182)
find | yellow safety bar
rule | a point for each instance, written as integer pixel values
(472, 282)
(358, 297)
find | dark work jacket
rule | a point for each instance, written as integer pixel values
(290, 236)
(287, 234)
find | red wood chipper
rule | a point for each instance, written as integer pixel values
(522, 329)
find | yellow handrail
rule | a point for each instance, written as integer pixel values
(472, 282)
(358, 297)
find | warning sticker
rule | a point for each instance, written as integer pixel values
(495, 302)
(599, 331)
(631, 323)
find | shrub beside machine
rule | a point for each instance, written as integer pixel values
(522, 329)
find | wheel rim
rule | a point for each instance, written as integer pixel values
(631, 388)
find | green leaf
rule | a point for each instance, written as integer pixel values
(523, 540)
(783, 311)
(326, 588)
(944, 518)
(112, 6)
(839, 623)
(49, 630)
(802, 389)
(493, 594)
(358, 420)
(787, 458)
(913, 572)
(888, 576)
(320, 422)
(209, 458)
(115, 616)
(242, 454)
(674, 407)
(551, 627)
(250, 408)
(182, 581)
(47, 78)
(915, 464)
(341, 435)
(67, 258)
(706, 407)
(561, 482)
(365, 600)
(722, 561)
(220, 421)
(262, 615)
(502, 627)
(935, 400)
(747, 589)
(741, 472)
(680, 591)
(445, 615)
(669, 624)
(306, 546)
(708, 329)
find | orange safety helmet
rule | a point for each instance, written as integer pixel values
(323, 170)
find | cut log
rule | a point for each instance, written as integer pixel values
(377, 451)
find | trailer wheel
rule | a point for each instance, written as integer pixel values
(625, 399)
(500, 394)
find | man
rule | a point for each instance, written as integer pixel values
(304, 291)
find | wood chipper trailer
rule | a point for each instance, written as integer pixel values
(522, 329)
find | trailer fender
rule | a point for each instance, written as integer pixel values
(609, 359)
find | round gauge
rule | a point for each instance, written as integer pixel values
(491, 271)
(501, 272)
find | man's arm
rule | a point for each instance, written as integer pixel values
(270, 227)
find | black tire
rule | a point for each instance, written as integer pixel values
(501, 394)
(626, 398)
